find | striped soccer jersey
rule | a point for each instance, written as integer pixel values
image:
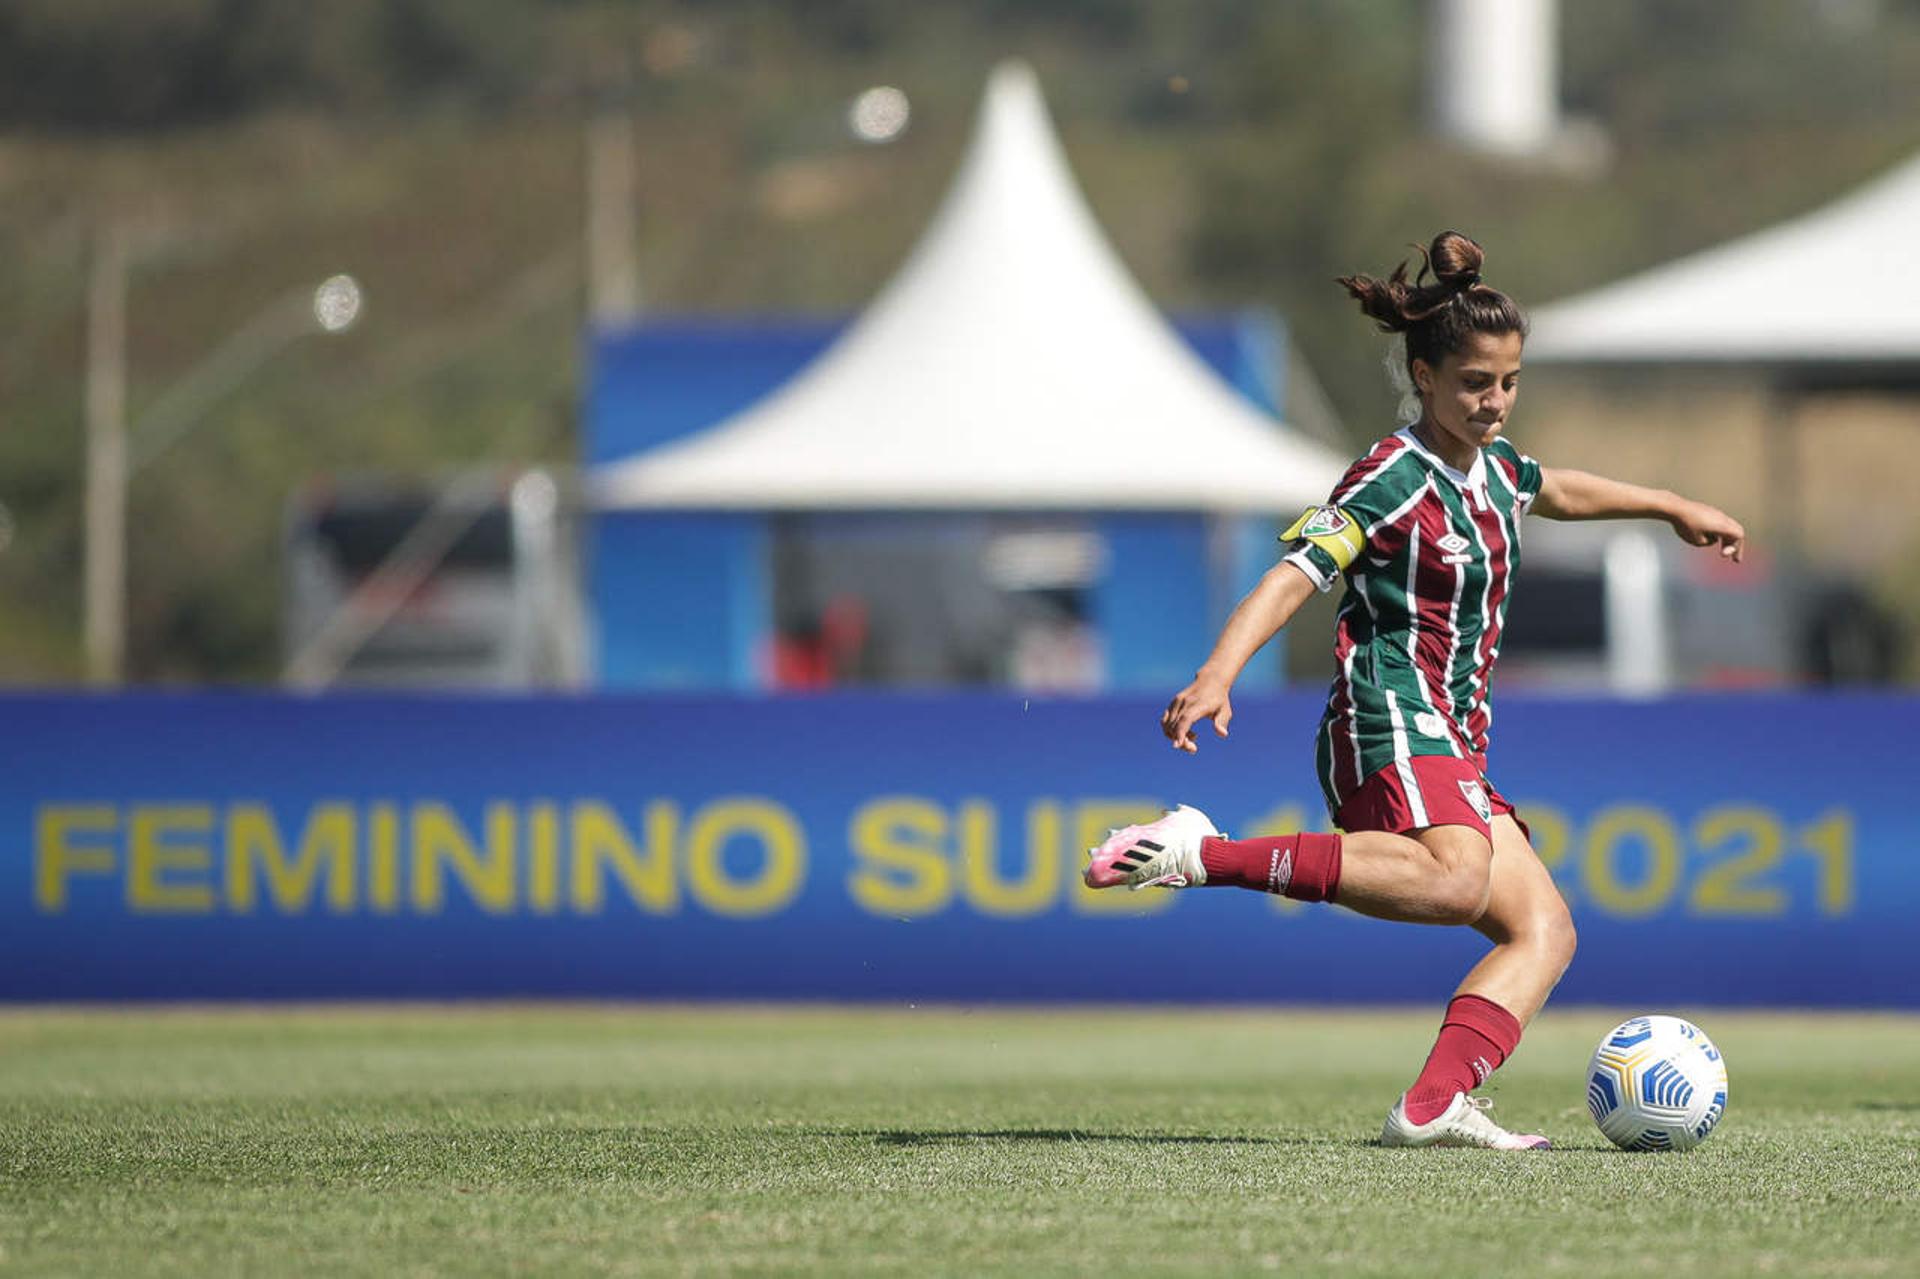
(1428, 553)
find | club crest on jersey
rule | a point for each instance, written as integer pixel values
(1323, 521)
(1452, 543)
(1332, 530)
(1476, 795)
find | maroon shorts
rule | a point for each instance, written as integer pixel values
(1425, 790)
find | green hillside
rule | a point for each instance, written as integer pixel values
(1237, 152)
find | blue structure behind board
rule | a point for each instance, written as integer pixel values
(883, 848)
(682, 600)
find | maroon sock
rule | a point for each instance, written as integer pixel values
(1305, 867)
(1476, 1035)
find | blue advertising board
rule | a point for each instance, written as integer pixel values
(1737, 850)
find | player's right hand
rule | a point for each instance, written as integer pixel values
(1701, 525)
(1205, 698)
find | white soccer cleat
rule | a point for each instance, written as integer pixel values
(1464, 1123)
(1160, 854)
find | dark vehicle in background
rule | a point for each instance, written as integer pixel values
(1628, 609)
(467, 584)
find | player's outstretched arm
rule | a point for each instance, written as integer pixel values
(1257, 619)
(1578, 495)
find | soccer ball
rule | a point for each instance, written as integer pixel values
(1656, 1083)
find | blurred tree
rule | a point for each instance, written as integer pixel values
(99, 65)
(1238, 151)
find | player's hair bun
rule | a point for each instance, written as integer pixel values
(1397, 304)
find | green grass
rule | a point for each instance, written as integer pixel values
(668, 1140)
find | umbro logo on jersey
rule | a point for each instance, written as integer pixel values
(1430, 723)
(1452, 543)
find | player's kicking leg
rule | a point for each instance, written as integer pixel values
(1440, 877)
(1184, 849)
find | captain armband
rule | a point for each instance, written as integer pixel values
(1330, 529)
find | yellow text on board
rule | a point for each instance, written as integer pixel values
(897, 856)
(740, 856)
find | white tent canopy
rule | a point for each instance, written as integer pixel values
(1012, 363)
(1834, 286)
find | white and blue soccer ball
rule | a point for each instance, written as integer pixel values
(1656, 1083)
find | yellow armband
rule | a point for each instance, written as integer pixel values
(1332, 530)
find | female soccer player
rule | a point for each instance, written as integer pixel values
(1425, 529)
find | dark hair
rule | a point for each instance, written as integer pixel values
(1438, 317)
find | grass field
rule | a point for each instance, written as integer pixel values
(666, 1140)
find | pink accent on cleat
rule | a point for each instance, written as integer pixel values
(1159, 854)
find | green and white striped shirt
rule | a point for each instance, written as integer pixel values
(1428, 553)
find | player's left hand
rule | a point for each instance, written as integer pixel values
(1701, 525)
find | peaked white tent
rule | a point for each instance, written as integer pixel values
(1835, 286)
(1011, 363)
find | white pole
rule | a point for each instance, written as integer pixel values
(1494, 66)
(1638, 640)
(116, 452)
(104, 623)
(613, 268)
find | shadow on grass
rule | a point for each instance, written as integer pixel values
(1887, 1105)
(1069, 1136)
